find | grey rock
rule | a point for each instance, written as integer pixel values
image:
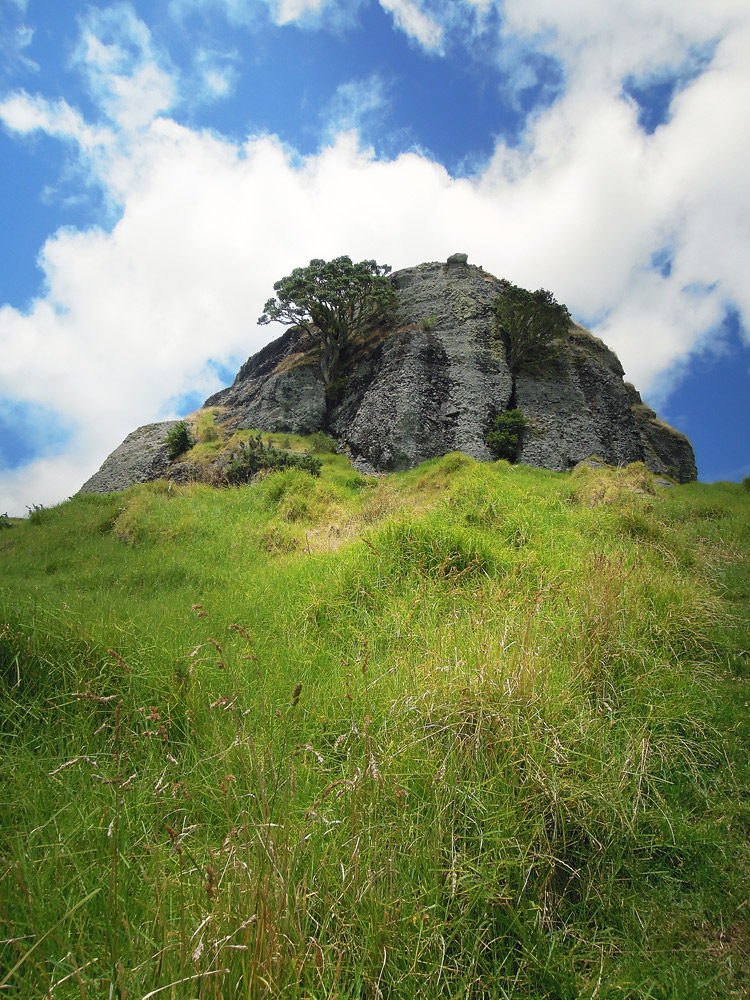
(580, 407)
(428, 382)
(280, 388)
(432, 384)
(141, 458)
(666, 451)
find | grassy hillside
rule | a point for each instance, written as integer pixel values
(473, 731)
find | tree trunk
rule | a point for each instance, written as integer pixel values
(329, 358)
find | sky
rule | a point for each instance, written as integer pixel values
(165, 161)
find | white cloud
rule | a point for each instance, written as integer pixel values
(336, 14)
(15, 38)
(296, 10)
(127, 77)
(216, 74)
(354, 105)
(408, 15)
(412, 20)
(218, 82)
(24, 113)
(129, 317)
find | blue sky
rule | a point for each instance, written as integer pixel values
(164, 162)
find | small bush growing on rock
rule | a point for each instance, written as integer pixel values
(179, 440)
(504, 439)
(252, 456)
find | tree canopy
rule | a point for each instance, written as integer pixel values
(334, 300)
(533, 325)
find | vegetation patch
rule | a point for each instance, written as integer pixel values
(207, 430)
(253, 456)
(179, 440)
(493, 742)
(609, 484)
(532, 325)
(427, 547)
(504, 439)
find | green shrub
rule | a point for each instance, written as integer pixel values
(179, 440)
(533, 326)
(253, 455)
(428, 323)
(321, 443)
(746, 484)
(504, 439)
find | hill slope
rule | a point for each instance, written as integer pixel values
(473, 730)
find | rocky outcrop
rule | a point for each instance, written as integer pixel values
(279, 389)
(665, 450)
(432, 384)
(432, 381)
(428, 384)
(579, 407)
(141, 458)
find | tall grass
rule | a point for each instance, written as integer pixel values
(471, 731)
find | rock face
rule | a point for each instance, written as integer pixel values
(427, 385)
(665, 450)
(431, 382)
(580, 408)
(141, 457)
(432, 385)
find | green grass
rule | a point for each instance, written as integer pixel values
(476, 730)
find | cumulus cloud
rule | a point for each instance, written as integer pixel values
(131, 316)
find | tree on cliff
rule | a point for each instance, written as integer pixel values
(334, 300)
(532, 324)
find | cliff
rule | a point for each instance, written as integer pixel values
(431, 382)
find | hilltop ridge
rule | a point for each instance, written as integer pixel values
(430, 382)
